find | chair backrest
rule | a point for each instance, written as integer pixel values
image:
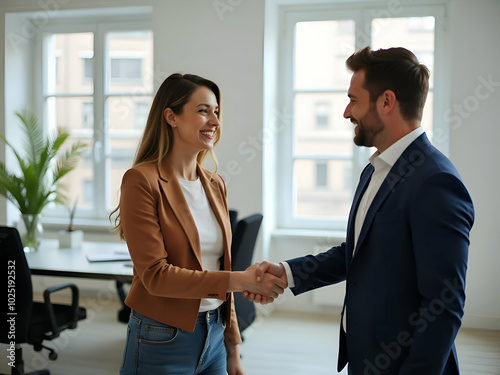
(233, 218)
(17, 290)
(244, 238)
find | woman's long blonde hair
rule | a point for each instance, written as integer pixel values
(157, 139)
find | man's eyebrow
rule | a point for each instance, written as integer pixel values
(351, 96)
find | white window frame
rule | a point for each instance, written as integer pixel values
(362, 15)
(101, 152)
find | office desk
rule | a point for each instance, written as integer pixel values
(50, 260)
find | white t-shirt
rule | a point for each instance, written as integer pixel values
(209, 231)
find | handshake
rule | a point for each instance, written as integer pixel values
(261, 282)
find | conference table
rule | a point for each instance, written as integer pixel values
(93, 260)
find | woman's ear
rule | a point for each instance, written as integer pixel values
(170, 117)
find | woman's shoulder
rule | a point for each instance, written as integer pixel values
(147, 169)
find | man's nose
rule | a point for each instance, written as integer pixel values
(347, 111)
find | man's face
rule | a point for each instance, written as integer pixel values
(362, 112)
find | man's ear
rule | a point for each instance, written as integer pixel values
(387, 101)
(170, 117)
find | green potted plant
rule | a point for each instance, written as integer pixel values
(71, 237)
(42, 164)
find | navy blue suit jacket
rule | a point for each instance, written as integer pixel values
(405, 280)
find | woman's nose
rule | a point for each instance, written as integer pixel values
(214, 120)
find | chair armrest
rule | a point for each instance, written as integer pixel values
(50, 308)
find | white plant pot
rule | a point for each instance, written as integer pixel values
(70, 239)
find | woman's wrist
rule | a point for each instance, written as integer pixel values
(235, 282)
(233, 350)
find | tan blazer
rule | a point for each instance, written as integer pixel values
(163, 241)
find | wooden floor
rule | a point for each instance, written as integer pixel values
(277, 344)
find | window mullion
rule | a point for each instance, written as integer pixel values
(100, 130)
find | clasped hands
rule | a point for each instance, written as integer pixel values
(261, 282)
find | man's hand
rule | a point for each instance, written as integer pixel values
(264, 270)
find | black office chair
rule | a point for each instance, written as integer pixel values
(233, 219)
(26, 321)
(242, 248)
(124, 312)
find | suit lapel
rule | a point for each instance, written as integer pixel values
(175, 197)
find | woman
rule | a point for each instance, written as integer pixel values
(173, 215)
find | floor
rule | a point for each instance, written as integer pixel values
(271, 346)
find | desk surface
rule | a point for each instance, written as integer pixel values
(50, 260)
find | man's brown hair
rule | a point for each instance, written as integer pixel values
(395, 69)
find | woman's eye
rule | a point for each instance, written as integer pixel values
(203, 111)
(217, 113)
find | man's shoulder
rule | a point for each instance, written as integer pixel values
(422, 152)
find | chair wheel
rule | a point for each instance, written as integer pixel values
(52, 356)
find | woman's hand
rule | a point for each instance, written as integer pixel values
(276, 269)
(267, 284)
(234, 366)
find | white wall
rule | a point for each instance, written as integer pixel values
(191, 36)
(474, 137)
(19, 86)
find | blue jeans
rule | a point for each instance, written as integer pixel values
(154, 348)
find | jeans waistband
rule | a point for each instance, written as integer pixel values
(203, 317)
(209, 315)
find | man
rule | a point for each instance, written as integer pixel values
(405, 256)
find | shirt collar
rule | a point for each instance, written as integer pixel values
(394, 151)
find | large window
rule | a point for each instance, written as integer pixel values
(319, 163)
(97, 83)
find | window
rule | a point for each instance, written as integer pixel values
(322, 112)
(321, 174)
(87, 66)
(319, 163)
(141, 114)
(97, 83)
(88, 115)
(126, 68)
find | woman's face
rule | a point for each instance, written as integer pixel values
(195, 128)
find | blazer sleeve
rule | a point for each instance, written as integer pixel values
(441, 218)
(314, 271)
(149, 250)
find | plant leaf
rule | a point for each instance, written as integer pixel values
(40, 164)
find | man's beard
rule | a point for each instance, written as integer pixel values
(366, 136)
